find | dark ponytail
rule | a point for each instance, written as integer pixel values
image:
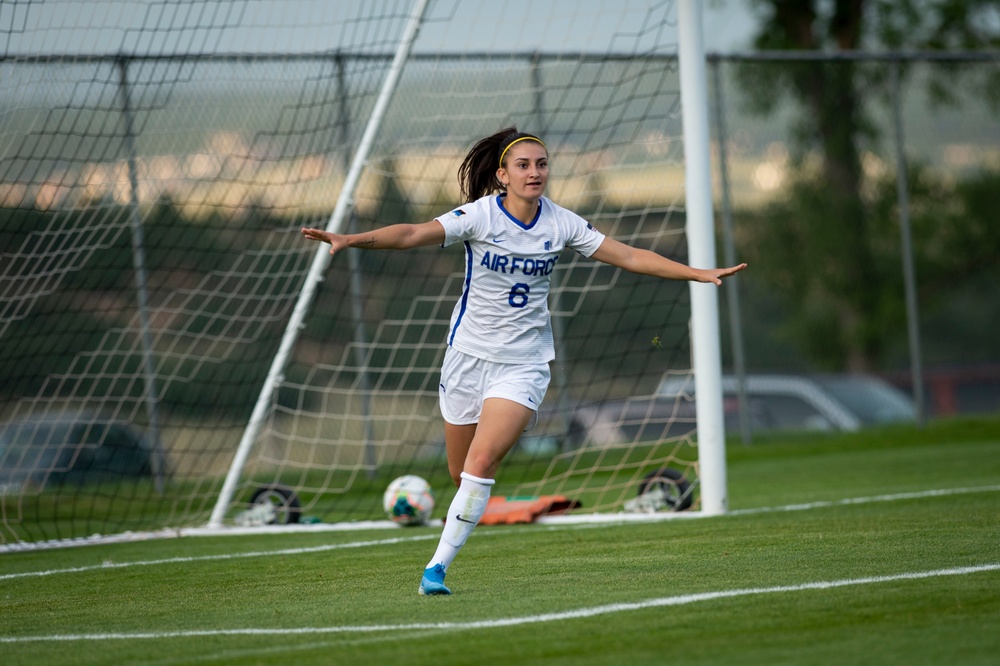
(477, 176)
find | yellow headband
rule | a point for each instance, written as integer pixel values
(523, 138)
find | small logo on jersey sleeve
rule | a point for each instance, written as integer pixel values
(458, 212)
(548, 245)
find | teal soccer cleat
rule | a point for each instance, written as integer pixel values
(433, 581)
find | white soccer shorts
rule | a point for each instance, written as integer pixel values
(466, 381)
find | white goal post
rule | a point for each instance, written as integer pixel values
(319, 265)
(706, 356)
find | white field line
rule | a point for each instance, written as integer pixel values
(671, 515)
(680, 600)
(554, 522)
(869, 500)
(221, 556)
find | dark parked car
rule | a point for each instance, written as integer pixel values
(808, 403)
(776, 403)
(48, 451)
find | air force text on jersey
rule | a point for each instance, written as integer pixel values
(511, 264)
(502, 315)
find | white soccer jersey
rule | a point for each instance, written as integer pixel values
(503, 314)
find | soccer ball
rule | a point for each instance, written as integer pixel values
(408, 500)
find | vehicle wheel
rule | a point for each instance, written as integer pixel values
(676, 489)
(283, 499)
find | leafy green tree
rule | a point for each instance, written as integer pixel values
(789, 244)
(827, 249)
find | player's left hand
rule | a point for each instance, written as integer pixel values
(716, 275)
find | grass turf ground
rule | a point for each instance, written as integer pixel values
(740, 588)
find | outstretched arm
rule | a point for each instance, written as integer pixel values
(646, 262)
(392, 237)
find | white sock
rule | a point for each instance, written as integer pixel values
(464, 513)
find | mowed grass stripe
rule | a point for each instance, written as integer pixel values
(944, 492)
(680, 600)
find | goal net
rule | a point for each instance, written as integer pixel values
(158, 162)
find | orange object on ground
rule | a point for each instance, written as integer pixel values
(511, 510)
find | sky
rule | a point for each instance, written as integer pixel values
(296, 26)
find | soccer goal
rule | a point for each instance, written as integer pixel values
(177, 355)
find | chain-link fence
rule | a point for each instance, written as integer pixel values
(862, 191)
(858, 264)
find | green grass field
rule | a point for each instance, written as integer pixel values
(876, 548)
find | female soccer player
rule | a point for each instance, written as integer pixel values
(495, 370)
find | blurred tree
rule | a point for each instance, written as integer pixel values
(791, 242)
(828, 256)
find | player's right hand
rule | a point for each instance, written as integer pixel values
(336, 241)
